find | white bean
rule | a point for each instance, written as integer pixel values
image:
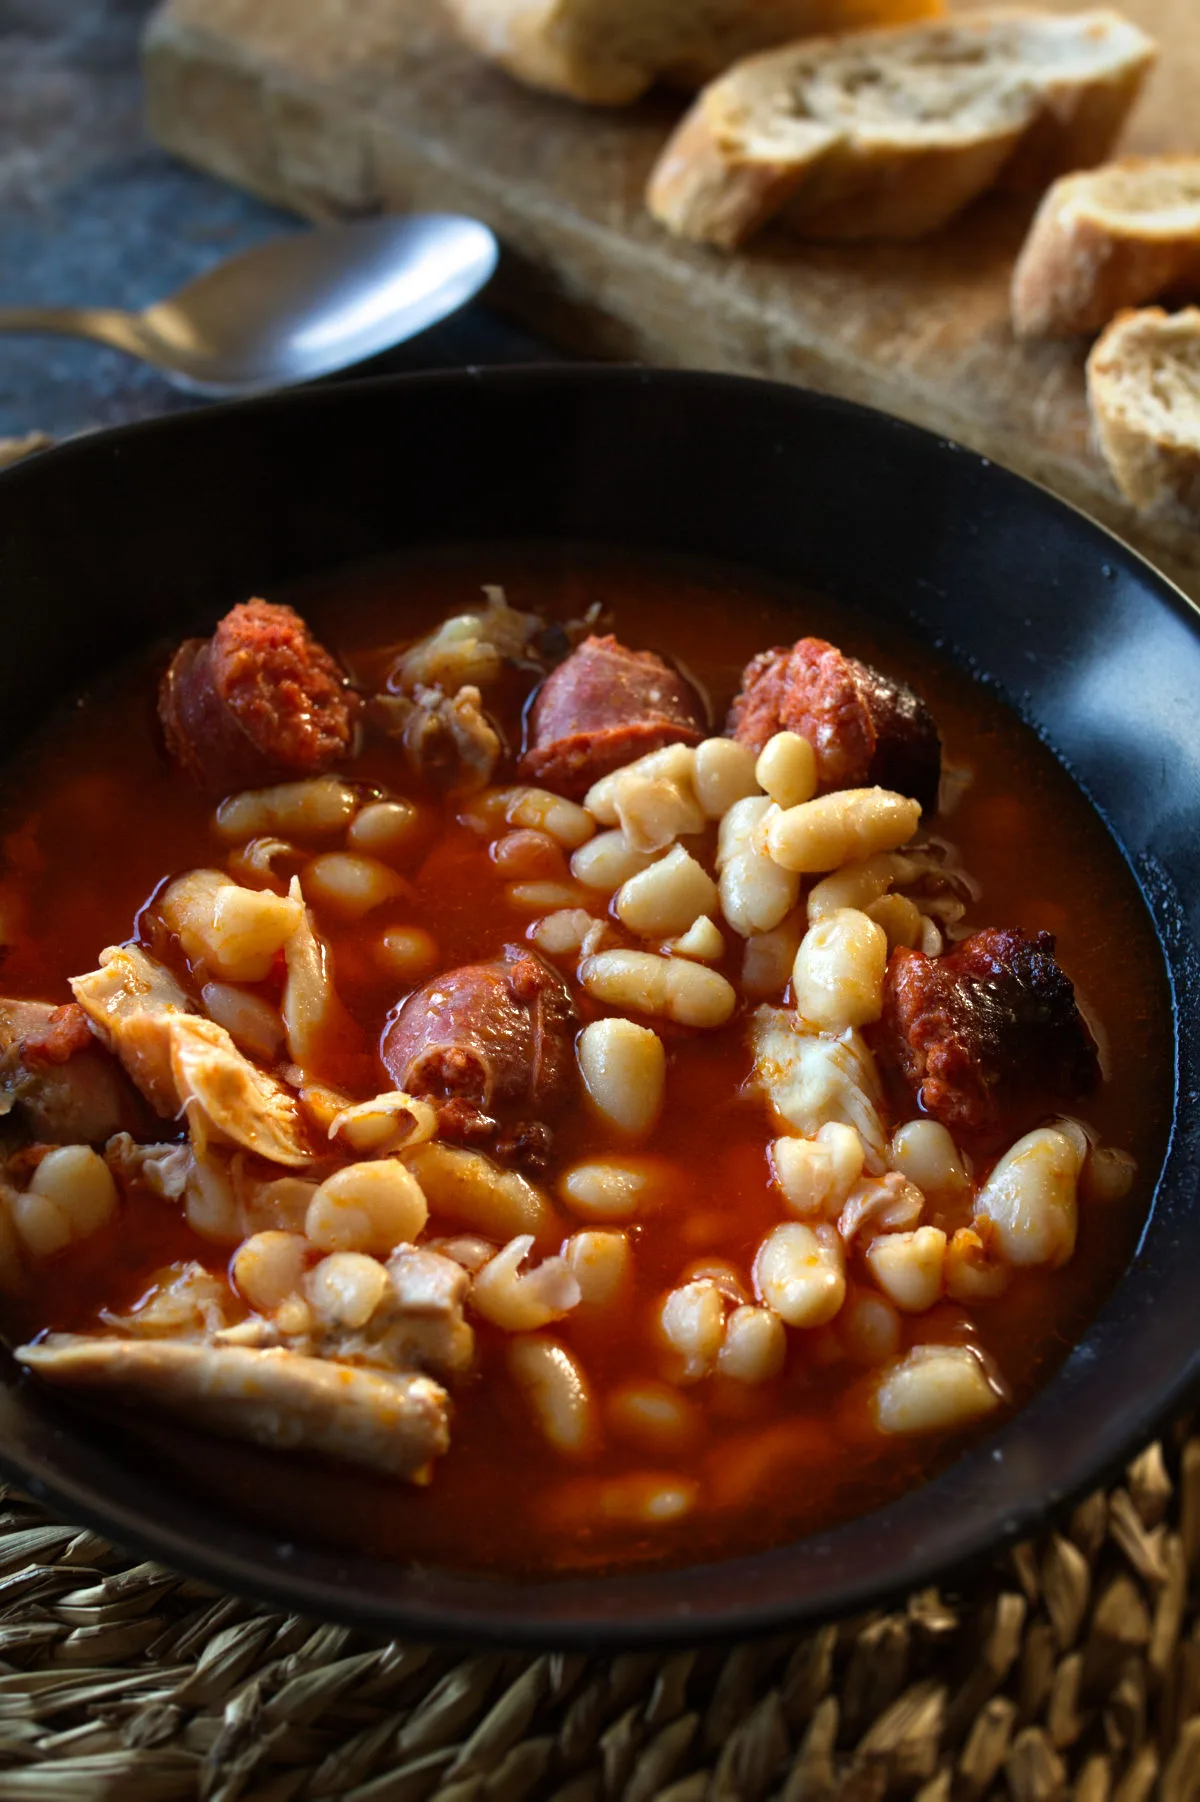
(350, 886)
(858, 885)
(601, 1263)
(42, 1226)
(1030, 1199)
(520, 1301)
(787, 769)
(563, 932)
(909, 1267)
(931, 944)
(934, 1389)
(612, 1189)
(723, 772)
(79, 1183)
(467, 1188)
(756, 894)
(768, 958)
(407, 953)
(542, 897)
(643, 1499)
(721, 1272)
(668, 897)
(692, 1321)
(542, 811)
(673, 763)
(670, 988)
(318, 808)
(970, 1274)
(654, 1416)
(608, 860)
(385, 1123)
(367, 1207)
(624, 1071)
(702, 942)
(754, 1347)
(839, 970)
(267, 1268)
(870, 1328)
(924, 1152)
(800, 1272)
(252, 1023)
(386, 829)
(816, 1175)
(852, 824)
(1108, 1175)
(557, 1391)
(12, 1270)
(210, 1206)
(345, 1289)
(900, 918)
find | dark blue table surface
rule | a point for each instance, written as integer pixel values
(93, 213)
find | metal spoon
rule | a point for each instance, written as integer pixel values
(294, 308)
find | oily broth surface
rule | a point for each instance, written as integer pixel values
(95, 819)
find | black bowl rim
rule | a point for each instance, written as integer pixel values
(452, 1611)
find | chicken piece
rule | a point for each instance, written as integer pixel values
(58, 1080)
(237, 1102)
(447, 739)
(319, 1031)
(467, 651)
(989, 1036)
(131, 1001)
(418, 1324)
(186, 1301)
(813, 1078)
(274, 1398)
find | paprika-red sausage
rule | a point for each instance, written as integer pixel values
(603, 707)
(865, 729)
(258, 701)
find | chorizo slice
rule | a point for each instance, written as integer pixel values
(65, 1088)
(498, 1036)
(867, 730)
(258, 701)
(601, 708)
(988, 1031)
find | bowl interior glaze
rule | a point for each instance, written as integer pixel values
(111, 541)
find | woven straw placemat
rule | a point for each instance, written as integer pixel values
(1070, 1668)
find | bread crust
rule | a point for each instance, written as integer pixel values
(1157, 470)
(611, 55)
(740, 158)
(1084, 261)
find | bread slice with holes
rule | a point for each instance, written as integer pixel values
(891, 133)
(1108, 239)
(1144, 388)
(609, 52)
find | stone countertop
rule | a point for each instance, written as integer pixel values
(93, 213)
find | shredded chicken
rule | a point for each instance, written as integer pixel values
(447, 739)
(470, 650)
(811, 1078)
(228, 1098)
(275, 1398)
(132, 1002)
(186, 1302)
(312, 1012)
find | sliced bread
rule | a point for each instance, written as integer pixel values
(1107, 239)
(609, 52)
(1144, 389)
(889, 134)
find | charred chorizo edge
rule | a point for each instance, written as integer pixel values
(258, 701)
(988, 1031)
(603, 707)
(865, 729)
(497, 1035)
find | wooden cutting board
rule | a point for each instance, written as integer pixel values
(348, 106)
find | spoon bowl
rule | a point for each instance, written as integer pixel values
(297, 307)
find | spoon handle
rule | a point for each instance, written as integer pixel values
(107, 325)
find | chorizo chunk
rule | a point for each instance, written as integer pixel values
(603, 707)
(498, 1035)
(258, 701)
(988, 1031)
(866, 730)
(65, 1088)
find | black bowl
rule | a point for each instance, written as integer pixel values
(123, 537)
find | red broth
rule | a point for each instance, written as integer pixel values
(94, 818)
